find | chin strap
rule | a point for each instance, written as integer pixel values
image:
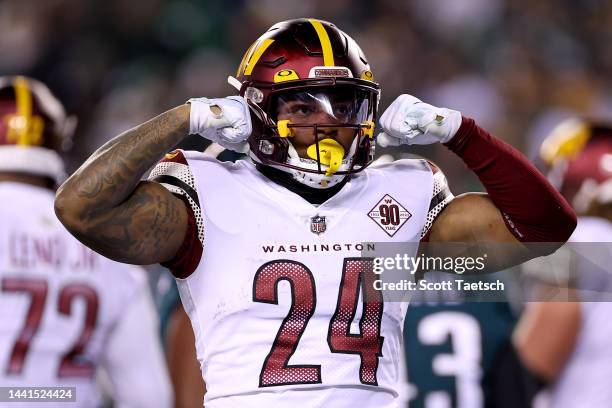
(234, 82)
(310, 194)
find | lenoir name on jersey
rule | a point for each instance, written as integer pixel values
(29, 251)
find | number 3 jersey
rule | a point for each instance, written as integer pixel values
(275, 296)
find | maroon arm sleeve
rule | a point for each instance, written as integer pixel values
(532, 209)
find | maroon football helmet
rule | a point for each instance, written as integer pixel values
(313, 62)
(34, 128)
(580, 155)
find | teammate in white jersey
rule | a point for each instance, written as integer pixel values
(65, 311)
(567, 344)
(267, 251)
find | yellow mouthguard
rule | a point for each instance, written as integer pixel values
(331, 153)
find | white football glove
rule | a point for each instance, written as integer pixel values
(230, 128)
(412, 122)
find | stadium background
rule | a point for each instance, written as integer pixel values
(518, 67)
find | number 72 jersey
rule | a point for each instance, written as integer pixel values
(277, 298)
(61, 304)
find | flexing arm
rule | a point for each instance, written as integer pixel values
(521, 217)
(520, 208)
(107, 206)
(473, 220)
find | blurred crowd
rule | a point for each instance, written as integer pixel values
(517, 66)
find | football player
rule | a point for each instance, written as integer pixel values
(459, 352)
(566, 344)
(267, 251)
(451, 346)
(65, 311)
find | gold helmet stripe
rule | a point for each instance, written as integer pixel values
(23, 128)
(23, 97)
(565, 141)
(259, 50)
(328, 54)
(244, 59)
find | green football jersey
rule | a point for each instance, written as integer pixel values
(451, 347)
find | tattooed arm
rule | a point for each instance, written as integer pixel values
(107, 206)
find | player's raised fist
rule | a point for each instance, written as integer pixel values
(225, 121)
(410, 121)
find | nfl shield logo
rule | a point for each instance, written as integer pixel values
(317, 224)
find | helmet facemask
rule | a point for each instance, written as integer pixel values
(318, 134)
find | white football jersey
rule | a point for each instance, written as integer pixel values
(276, 299)
(64, 309)
(585, 379)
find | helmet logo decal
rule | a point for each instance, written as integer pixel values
(389, 215)
(318, 225)
(285, 75)
(367, 75)
(328, 54)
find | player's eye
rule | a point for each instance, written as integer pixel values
(343, 110)
(302, 109)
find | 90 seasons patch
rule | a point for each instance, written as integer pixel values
(389, 214)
